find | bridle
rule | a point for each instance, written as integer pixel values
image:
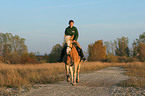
(70, 47)
(71, 43)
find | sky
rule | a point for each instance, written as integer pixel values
(42, 22)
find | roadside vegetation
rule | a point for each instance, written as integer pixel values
(136, 73)
(17, 75)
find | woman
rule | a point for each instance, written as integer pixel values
(72, 30)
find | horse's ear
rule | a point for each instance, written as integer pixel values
(72, 37)
(64, 35)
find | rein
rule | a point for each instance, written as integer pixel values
(69, 46)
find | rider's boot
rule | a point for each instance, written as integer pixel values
(82, 55)
(62, 54)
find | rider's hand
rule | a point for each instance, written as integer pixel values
(74, 40)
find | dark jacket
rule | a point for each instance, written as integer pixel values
(72, 31)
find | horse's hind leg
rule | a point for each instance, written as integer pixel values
(67, 73)
(78, 71)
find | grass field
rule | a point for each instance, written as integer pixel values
(136, 72)
(17, 75)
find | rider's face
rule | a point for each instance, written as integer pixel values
(71, 24)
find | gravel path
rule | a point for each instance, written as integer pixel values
(97, 83)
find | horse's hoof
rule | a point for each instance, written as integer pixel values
(77, 81)
(68, 79)
(73, 84)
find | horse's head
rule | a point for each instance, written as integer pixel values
(69, 40)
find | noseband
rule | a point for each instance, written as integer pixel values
(69, 47)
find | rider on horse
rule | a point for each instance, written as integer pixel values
(72, 30)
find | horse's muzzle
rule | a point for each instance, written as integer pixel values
(68, 54)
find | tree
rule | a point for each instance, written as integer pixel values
(122, 48)
(12, 47)
(111, 47)
(108, 47)
(25, 58)
(97, 51)
(141, 38)
(141, 51)
(139, 47)
(135, 49)
(55, 53)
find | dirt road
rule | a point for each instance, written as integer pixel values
(98, 83)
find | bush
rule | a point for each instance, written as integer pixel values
(53, 58)
(42, 61)
(13, 58)
(29, 58)
(97, 51)
(127, 59)
(131, 59)
(55, 53)
(112, 58)
(122, 59)
(1, 59)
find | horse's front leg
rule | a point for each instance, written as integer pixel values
(67, 72)
(75, 73)
(78, 71)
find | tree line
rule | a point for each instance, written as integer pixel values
(118, 50)
(14, 51)
(111, 51)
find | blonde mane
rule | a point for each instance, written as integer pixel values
(67, 38)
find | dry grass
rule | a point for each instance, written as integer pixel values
(93, 66)
(136, 72)
(17, 75)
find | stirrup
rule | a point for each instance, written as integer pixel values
(84, 59)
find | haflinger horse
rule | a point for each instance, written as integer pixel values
(72, 61)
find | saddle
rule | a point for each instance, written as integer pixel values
(77, 48)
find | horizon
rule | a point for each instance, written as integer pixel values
(42, 23)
